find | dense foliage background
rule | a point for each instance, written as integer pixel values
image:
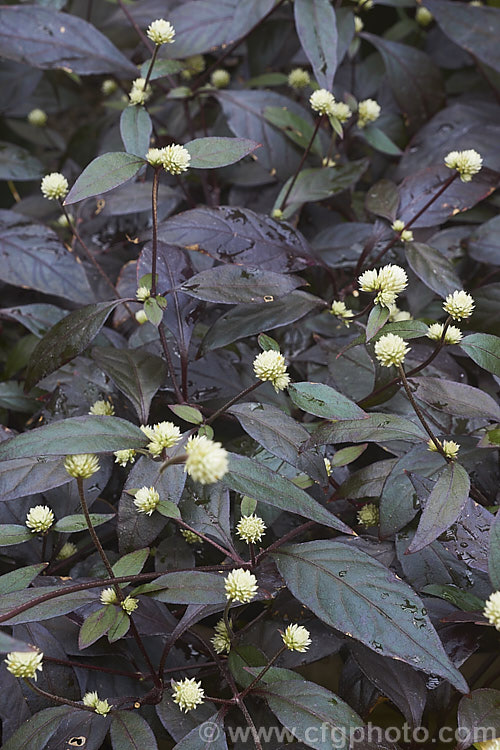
(270, 224)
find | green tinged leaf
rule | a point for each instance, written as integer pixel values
(484, 350)
(324, 401)
(96, 625)
(302, 706)
(161, 69)
(120, 626)
(19, 579)
(214, 152)
(187, 413)
(129, 731)
(380, 141)
(318, 184)
(14, 534)
(377, 318)
(209, 735)
(67, 339)
(256, 480)
(131, 564)
(443, 506)
(186, 587)
(377, 428)
(317, 31)
(135, 130)
(76, 523)
(455, 398)
(464, 600)
(89, 434)
(354, 593)
(433, 268)
(104, 173)
(37, 730)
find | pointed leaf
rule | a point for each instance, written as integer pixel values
(377, 318)
(214, 152)
(483, 349)
(20, 579)
(16, 163)
(89, 434)
(354, 593)
(135, 130)
(382, 199)
(324, 401)
(129, 731)
(435, 270)
(443, 506)
(378, 428)
(476, 712)
(37, 731)
(135, 372)
(256, 480)
(14, 534)
(231, 284)
(132, 563)
(96, 625)
(209, 735)
(75, 523)
(67, 339)
(455, 398)
(104, 173)
(46, 39)
(317, 30)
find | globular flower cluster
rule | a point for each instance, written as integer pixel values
(270, 365)
(39, 519)
(92, 700)
(492, 609)
(368, 515)
(190, 536)
(388, 281)
(358, 25)
(459, 305)
(395, 314)
(125, 457)
(241, 586)
(108, 596)
(146, 499)
(296, 638)
(298, 78)
(174, 159)
(139, 93)
(102, 408)
(37, 118)
(453, 335)
(24, 663)
(220, 78)
(449, 447)
(391, 349)
(423, 16)
(467, 163)
(129, 605)
(251, 528)
(161, 32)
(341, 111)
(368, 111)
(206, 459)
(82, 465)
(162, 435)
(143, 292)
(187, 693)
(221, 640)
(322, 102)
(67, 550)
(54, 186)
(340, 311)
(406, 235)
(108, 87)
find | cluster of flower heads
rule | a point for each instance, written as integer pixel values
(39, 519)
(81, 465)
(270, 365)
(448, 447)
(368, 515)
(342, 312)
(452, 334)
(174, 159)
(406, 235)
(24, 663)
(221, 641)
(323, 102)
(92, 700)
(388, 282)
(140, 92)
(102, 408)
(368, 111)
(54, 186)
(467, 163)
(162, 435)
(206, 460)
(109, 596)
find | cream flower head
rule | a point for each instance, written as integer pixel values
(391, 349)
(467, 163)
(322, 102)
(341, 111)
(368, 111)
(176, 159)
(161, 32)
(82, 465)
(146, 499)
(138, 94)
(368, 515)
(129, 605)
(492, 609)
(108, 596)
(388, 281)
(102, 408)
(162, 435)
(221, 640)
(406, 235)
(220, 79)
(67, 550)
(241, 586)
(39, 519)
(251, 528)
(423, 16)
(206, 459)
(450, 448)
(298, 78)
(143, 293)
(37, 118)
(340, 311)
(125, 457)
(24, 663)
(459, 305)
(187, 693)
(54, 186)
(296, 638)
(270, 365)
